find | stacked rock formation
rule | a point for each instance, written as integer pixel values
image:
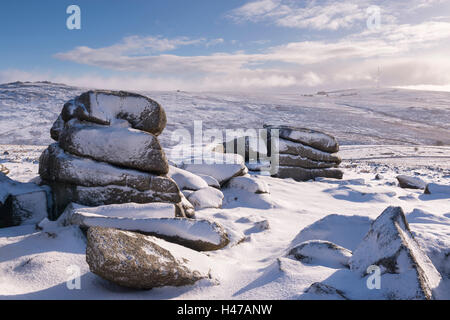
(107, 152)
(303, 154)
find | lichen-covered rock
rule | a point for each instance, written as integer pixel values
(289, 160)
(142, 262)
(58, 166)
(315, 139)
(297, 149)
(407, 272)
(411, 182)
(56, 129)
(106, 107)
(206, 198)
(250, 184)
(322, 253)
(302, 174)
(63, 194)
(116, 145)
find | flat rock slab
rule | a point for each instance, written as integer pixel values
(323, 253)
(64, 194)
(186, 180)
(106, 107)
(200, 235)
(116, 145)
(142, 262)
(316, 139)
(408, 182)
(58, 166)
(298, 149)
(407, 272)
(289, 160)
(301, 174)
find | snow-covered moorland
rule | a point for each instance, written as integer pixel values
(383, 133)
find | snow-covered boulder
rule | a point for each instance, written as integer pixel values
(21, 203)
(411, 182)
(301, 174)
(156, 219)
(63, 194)
(116, 145)
(323, 253)
(434, 188)
(407, 272)
(211, 181)
(186, 180)
(294, 148)
(289, 160)
(57, 165)
(250, 184)
(57, 127)
(208, 197)
(221, 166)
(106, 107)
(142, 262)
(316, 139)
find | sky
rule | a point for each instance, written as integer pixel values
(228, 45)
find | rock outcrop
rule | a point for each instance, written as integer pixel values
(107, 152)
(406, 271)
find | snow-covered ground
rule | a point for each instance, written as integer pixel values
(408, 128)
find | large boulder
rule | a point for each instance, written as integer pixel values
(106, 107)
(302, 174)
(408, 182)
(63, 194)
(151, 219)
(250, 184)
(434, 188)
(407, 272)
(116, 145)
(298, 149)
(142, 262)
(21, 203)
(55, 165)
(316, 139)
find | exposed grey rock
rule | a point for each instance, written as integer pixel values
(250, 148)
(407, 272)
(298, 149)
(289, 160)
(411, 182)
(322, 253)
(301, 174)
(324, 291)
(21, 203)
(56, 129)
(105, 107)
(315, 139)
(115, 145)
(57, 166)
(64, 193)
(142, 262)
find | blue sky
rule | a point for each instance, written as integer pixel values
(228, 44)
